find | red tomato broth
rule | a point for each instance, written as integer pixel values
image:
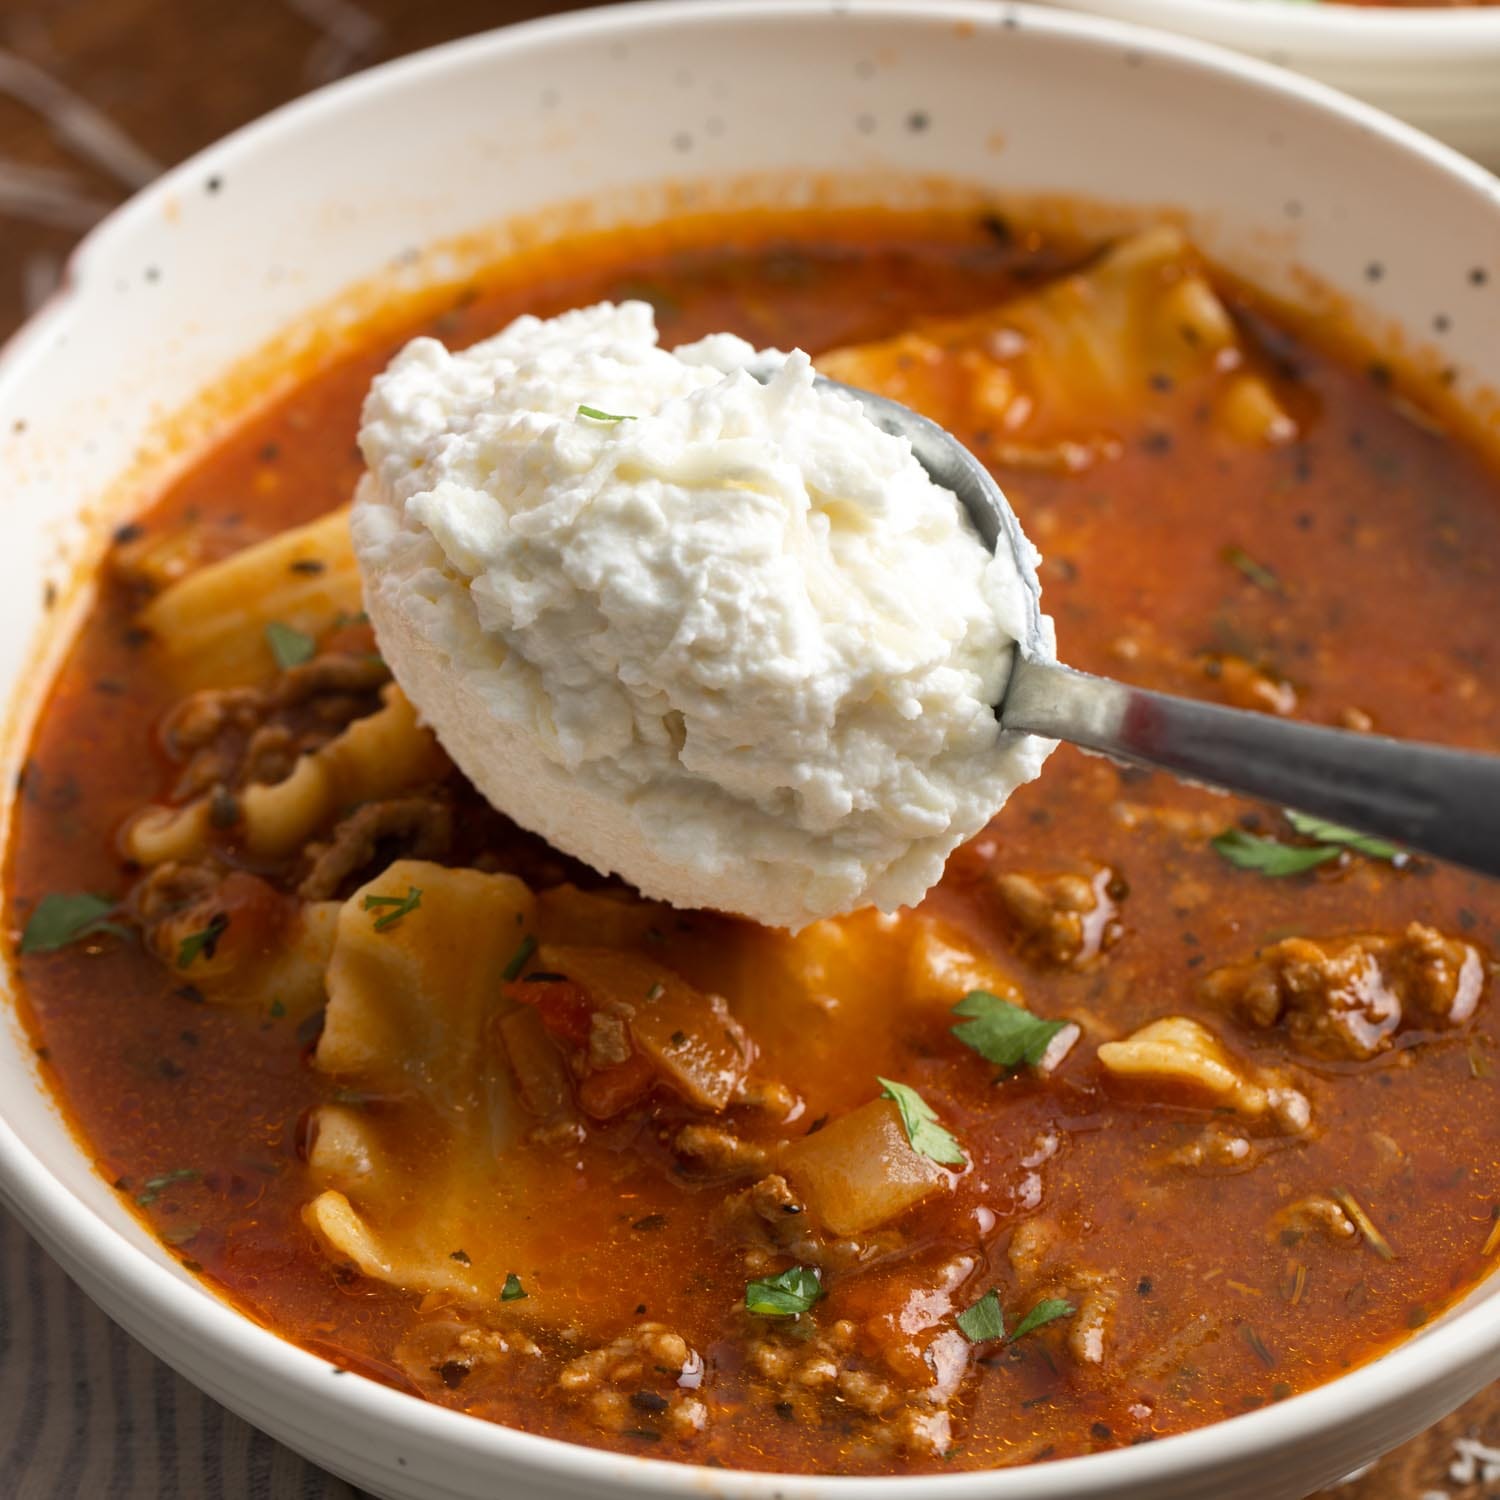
(1368, 508)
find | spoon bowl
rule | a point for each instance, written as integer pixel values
(1441, 801)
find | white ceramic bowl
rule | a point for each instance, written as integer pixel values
(1273, 174)
(1436, 68)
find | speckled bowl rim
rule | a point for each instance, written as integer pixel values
(227, 1339)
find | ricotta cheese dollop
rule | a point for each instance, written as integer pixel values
(725, 640)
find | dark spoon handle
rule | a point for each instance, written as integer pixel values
(1443, 802)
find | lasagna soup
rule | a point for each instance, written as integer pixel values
(1160, 1107)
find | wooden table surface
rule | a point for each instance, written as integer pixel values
(96, 96)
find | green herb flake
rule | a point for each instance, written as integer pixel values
(1332, 833)
(984, 1320)
(1005, 1034)
(519, 957)
(154, 1186)
(1270, 857)
(290, 646)
(277, 1011)
(595, 415)
(393, 908)
(513, 1291)
(656, 991)
(204, 943)
(62, 918)
(1048, 1310)
(1258, 573)
(787, 1294)
(461, 1256)
(927, 1137)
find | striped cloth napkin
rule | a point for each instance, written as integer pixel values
(85, 1411)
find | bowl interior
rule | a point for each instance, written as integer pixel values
(638, 112)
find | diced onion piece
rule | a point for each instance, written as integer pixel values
(860, 1171)
(541, 1074)
(690, 1038)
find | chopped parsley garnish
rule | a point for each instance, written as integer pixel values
(395, 907)
(787, 1294)
(290, 646)
(1048, 1310)
(513, 1291)
(984, 1320)
(1258, 573)
(461, 1256)
(278, 1010)
(656, 991)
(596, 415)
(1005, 1034)
(62, 918)
(154, 1186)
(920, 1121)
(1333, 833)
(519, 957)
(1270, 857)
(204, 943)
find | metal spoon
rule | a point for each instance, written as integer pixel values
(1443, 802)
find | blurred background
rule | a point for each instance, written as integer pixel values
(96, 98)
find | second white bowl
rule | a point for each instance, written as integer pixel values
(1437, 68)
